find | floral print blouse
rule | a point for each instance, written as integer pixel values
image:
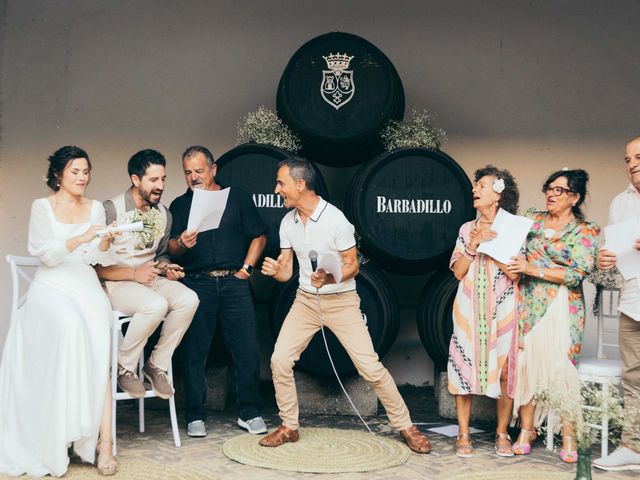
(574, 248)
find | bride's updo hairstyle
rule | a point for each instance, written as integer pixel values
(59, 161)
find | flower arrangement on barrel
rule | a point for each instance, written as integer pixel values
(264, 126)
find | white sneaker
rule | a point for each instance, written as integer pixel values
(255, 426)
(623, 458)
(197, 428)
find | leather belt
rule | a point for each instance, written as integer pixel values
(220, 273)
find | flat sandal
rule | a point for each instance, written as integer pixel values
(503, 445)
(465, 450)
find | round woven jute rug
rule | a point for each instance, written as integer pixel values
(320, 450)
(511, 474)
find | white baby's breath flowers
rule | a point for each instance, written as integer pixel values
(415, 131)
(264, 126)
(153, 227)
(498, 185)
(568, 404)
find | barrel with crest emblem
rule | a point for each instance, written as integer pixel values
(252, 167)
(407, 206)
(337, 92)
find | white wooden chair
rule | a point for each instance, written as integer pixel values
(119, 319)
(600, 370)
(21, 269)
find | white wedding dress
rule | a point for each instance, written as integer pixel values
(55, 362)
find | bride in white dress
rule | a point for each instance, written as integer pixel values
(54, 375)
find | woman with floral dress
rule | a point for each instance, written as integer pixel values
(483, 345)
(561, 250)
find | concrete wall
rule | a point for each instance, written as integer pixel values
(529, 86)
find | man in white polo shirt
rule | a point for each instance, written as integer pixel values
(316, 225)
(626, 206)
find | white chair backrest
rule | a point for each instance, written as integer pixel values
(608, 323)
(21, 268)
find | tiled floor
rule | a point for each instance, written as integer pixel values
(155, 445)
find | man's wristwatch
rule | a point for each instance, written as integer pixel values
(248, 269)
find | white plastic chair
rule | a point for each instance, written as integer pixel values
(119, 319)
(20, 269)
(599, 369)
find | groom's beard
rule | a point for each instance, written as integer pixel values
(152, 197)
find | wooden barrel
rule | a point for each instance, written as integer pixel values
(435, 316)
(408, 206)
(337, 92)
(379, 306)
(252, 167)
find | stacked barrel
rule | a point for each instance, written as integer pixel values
(337, 93)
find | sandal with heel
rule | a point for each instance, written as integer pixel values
(570, 455)
(464, 450)
(520, 447)
(106, 463)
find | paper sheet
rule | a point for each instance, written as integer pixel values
(620, 239)
(512, 231)
(451, 430)
(207, 207)
(331, 263)
(127, 227)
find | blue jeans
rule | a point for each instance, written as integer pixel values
(228, 298)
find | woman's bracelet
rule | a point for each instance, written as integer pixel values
(181, 244)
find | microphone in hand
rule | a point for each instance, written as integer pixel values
(313, 257)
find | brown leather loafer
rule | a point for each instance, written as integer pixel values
(280, 436)
(415, 440)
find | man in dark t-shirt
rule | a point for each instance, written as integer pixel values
(218, 264)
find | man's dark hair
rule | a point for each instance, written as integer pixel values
(59, 161)
(140, 161)
(195, 149)
(576, 181)
(509, 197)
(300, 169)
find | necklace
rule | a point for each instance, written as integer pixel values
(485, 221)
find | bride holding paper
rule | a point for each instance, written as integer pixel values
(54, 377)
(482, 350)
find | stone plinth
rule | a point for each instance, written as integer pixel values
(482, 408)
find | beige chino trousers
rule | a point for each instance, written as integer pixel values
(630, 356)
(341, 314)
(148, 306)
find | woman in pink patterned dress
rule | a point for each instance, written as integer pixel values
(483, 344)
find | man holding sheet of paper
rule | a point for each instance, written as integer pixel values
(622, 249)
(314, 225)
(218, 236)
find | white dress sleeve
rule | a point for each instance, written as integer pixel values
(91, 251)
(42, 244)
